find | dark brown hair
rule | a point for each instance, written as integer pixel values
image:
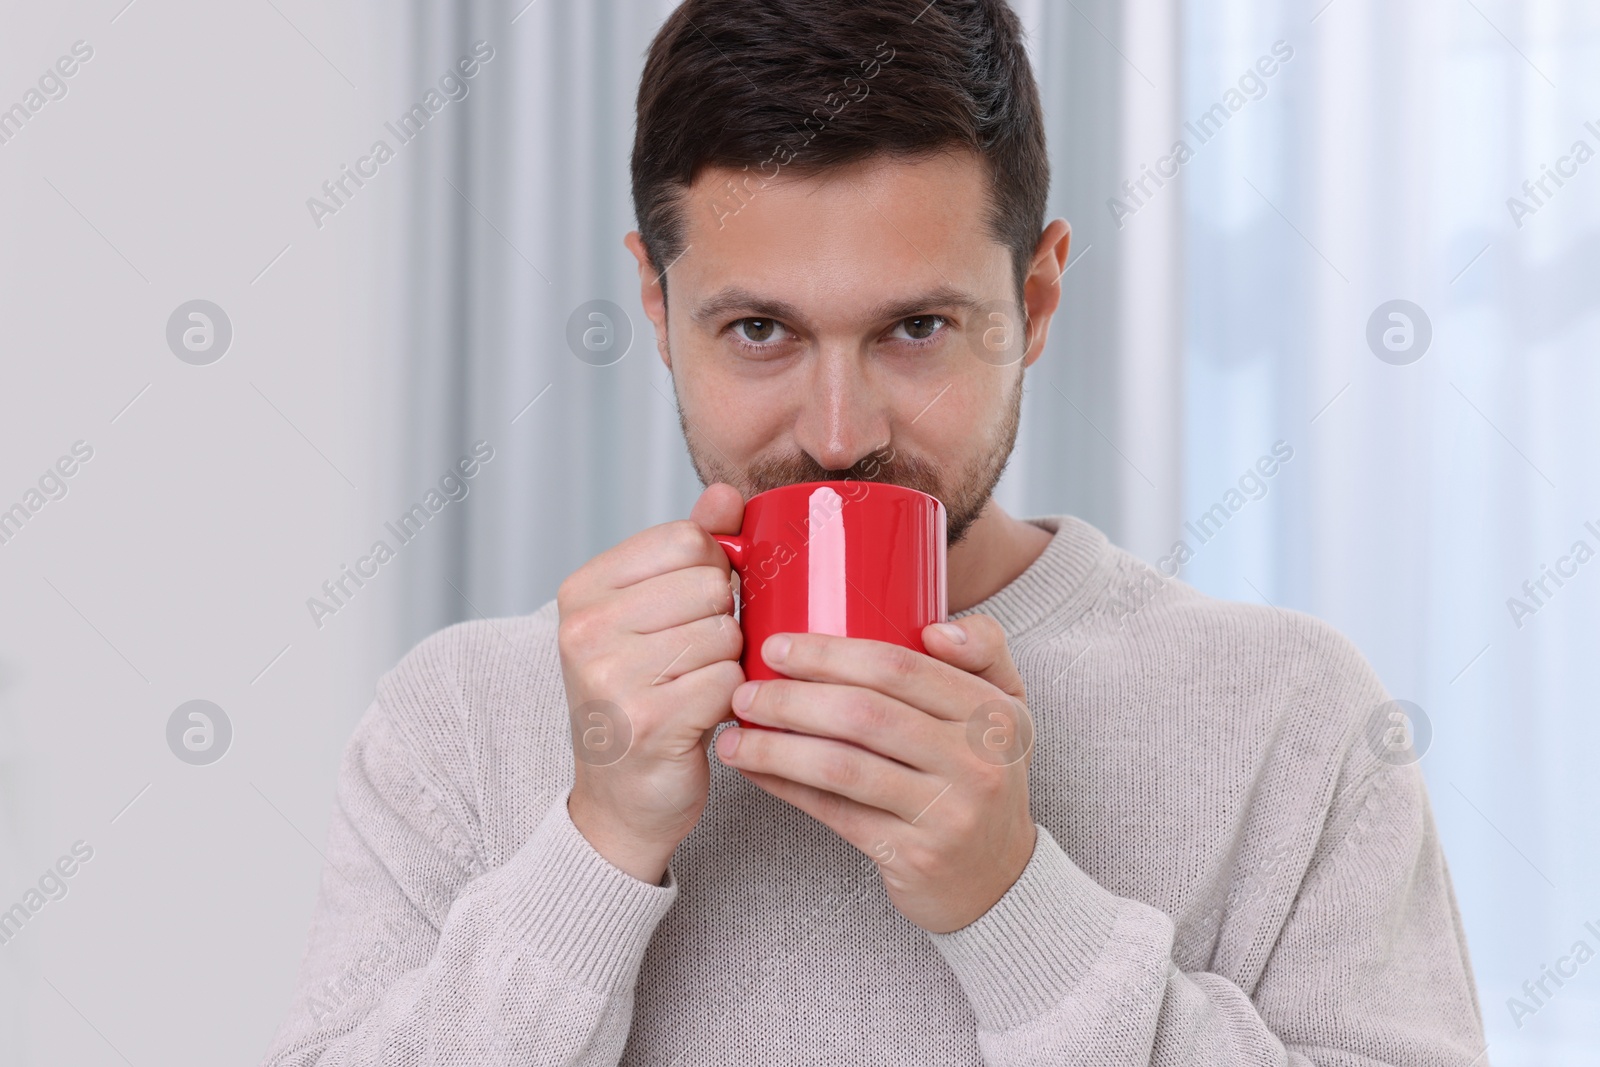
(799, 86)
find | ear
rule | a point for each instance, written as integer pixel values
(1041, 290)
(651, 293)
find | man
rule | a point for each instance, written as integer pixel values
(1203, 859)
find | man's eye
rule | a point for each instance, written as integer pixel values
(758, 331)
(920, 327)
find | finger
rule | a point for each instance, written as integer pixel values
(699, 699)
(861, 716)
(720, 509)
(671, 546)
(873, 832)
(894, 670)
(669, 600)
(669, 654)
(832, 767)
(976, 644)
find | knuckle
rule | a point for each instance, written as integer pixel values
(724, 677)
(778, 695)
(572, 636)
(716, 590)
(791, 696)
(840, 769)
(964, 824)
(719, 632)
(803, 651)
(864, 714)
(991, 782)
(605, 675)
(569, 593)
(685, 538)
(828, 652)
(586, 631)
(983, 627)
(835, 809)
(900, 662)
(722, 634)
(997, 783)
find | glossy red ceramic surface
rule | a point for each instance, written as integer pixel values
(859, 559)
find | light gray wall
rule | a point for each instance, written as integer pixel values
(218, 498)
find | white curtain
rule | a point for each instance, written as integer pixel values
(1340, 156)
(1422, 493)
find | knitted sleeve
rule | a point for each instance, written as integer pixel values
(1367, 964)
(419, 955)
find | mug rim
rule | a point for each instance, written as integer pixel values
(797, 486)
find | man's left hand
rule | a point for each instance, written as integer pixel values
(921, 761)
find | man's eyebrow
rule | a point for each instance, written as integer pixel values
(733, 298)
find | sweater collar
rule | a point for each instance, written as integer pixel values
(1055, 585)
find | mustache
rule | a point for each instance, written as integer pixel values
(885, 466)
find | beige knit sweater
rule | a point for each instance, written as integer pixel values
(1226, 872)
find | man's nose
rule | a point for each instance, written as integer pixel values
(844, 417)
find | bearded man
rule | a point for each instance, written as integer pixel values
(1203, 860)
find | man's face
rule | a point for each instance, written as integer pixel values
(858, 323)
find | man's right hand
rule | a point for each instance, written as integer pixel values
(648, 627)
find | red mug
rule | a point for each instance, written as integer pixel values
(857, 559)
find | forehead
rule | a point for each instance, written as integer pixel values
(845, 235)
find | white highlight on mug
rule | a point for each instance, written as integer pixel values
(825, 551)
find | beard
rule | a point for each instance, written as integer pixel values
(964, 493)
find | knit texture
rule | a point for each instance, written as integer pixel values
(1226, 872)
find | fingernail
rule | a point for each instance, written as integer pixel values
(728, 742)
(745, 695)
(776, 649)
(950, 630)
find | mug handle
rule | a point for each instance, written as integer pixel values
(734, 546)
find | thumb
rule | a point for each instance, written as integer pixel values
(981, 650)
(720, 509)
